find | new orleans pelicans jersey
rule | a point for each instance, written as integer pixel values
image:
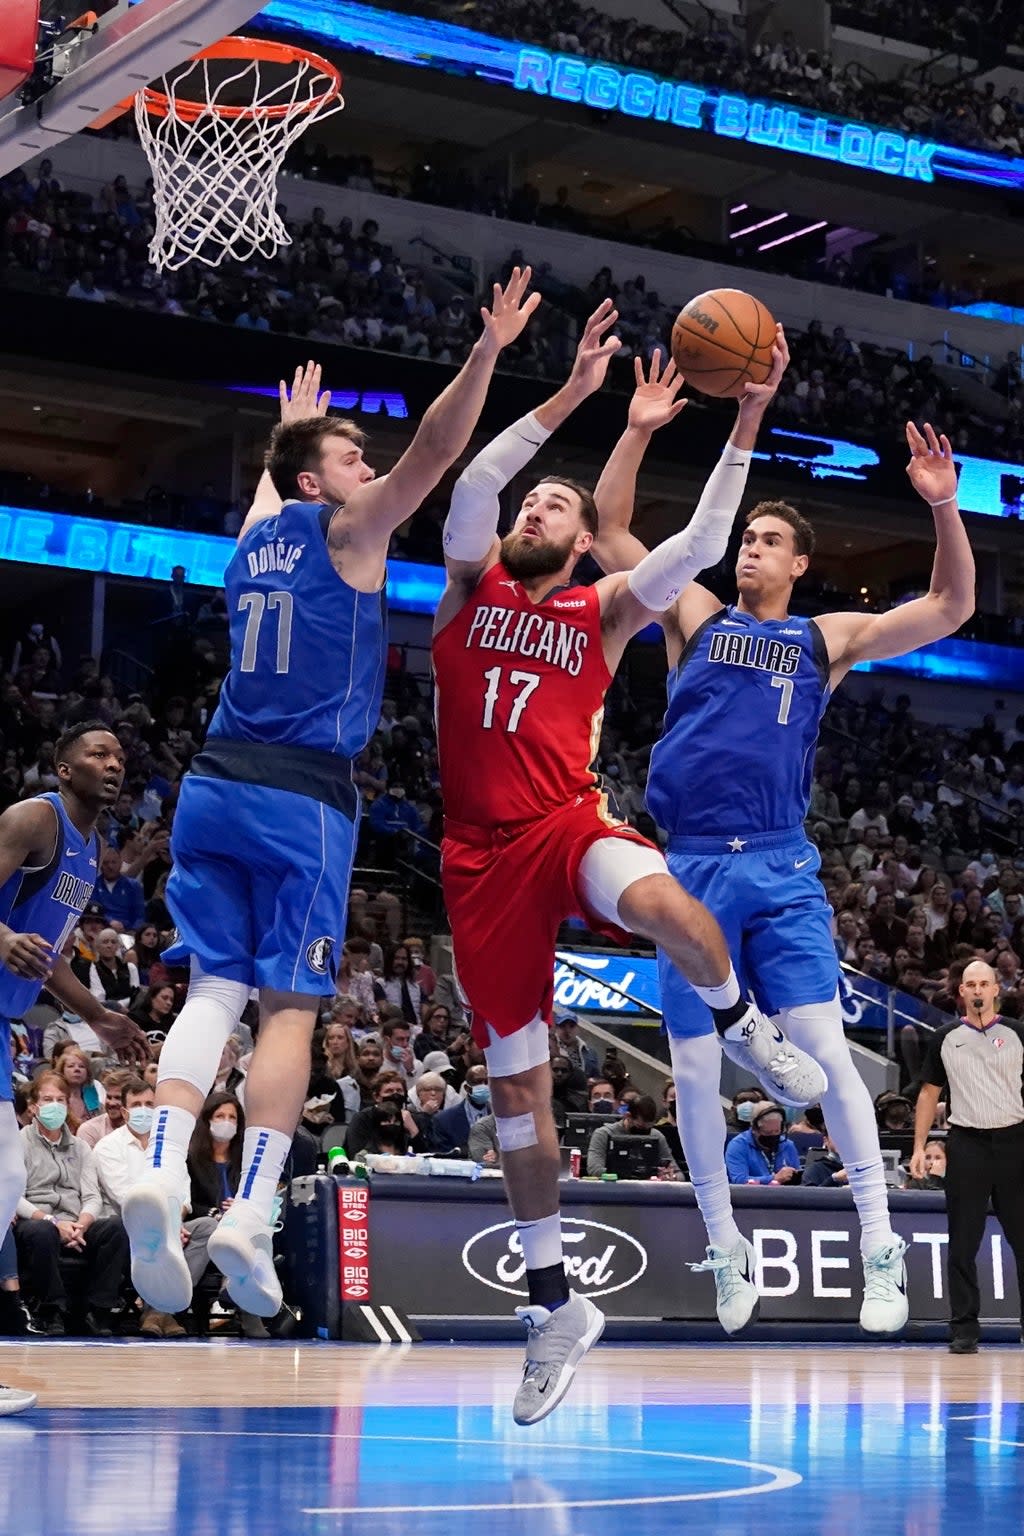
(520, 692)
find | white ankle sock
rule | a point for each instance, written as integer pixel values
(541, 1241)
(263, 1157)
(168, 1144)
(725, 996)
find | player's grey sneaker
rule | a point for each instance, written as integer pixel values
(152, 1217)
(885, 1308)
(788, 1075)
(737, 1299)
(555, 1344)
(14, 1400)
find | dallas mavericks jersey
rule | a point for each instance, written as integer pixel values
(48, 901)
(308, 651)
(744, 703)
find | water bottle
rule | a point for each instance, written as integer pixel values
(337, 1161)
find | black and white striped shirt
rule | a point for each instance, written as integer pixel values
(983, 1070)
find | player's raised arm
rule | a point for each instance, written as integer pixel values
(653, 405)
(304, 399)
(471, 542)
(949, 601)
(376, 508)
(656, 582)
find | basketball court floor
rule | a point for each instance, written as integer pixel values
(224, 1438)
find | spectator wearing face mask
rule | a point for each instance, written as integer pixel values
(120, 1163)
(389, 1125)
(763, 1155)
(452, 1126)
(396, 1041)
(667, 1123)
(568, 1089)
(601, 1098)
(62, 1209)
(215, 1170)
(637, 1121)
(744, 1101)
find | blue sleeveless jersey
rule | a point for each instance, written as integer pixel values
(308, 652)
(48, 901)
(737, 752)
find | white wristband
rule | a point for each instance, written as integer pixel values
(944, 503)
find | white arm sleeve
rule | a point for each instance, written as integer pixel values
(472, 519)
(660, 577)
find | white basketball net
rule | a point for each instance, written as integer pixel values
(215, 173)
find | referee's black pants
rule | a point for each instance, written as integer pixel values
(981, 1166)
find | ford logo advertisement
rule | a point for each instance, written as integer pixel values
(607, 979)
(599, 1259)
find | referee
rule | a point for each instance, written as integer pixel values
(979, 1059)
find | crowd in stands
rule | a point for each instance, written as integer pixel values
(713, 53)
(340, 285)
(943, 25)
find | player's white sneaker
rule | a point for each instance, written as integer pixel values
(14, 1400)
(243, 1250)
(788, 1075)
(152, 1217)
(733, 1268)
(555, 1344)
(885, 1308)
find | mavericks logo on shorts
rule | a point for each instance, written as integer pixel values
(318, 955)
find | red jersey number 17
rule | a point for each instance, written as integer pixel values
(526, 682)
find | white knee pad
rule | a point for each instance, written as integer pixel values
(509, 1055)
(607, 870)
(12, 1165)
(193, 1047)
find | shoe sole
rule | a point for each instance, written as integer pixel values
(244, 1286)
(884, 1333)
(579, 1349)
(755, 1313)
(20, 1405)
(159, 1274)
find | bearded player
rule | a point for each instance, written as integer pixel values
(522, 662)
(747, 684)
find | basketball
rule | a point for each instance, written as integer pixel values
(723, 340)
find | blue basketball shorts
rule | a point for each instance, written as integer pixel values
(259, 888)
(772, 909)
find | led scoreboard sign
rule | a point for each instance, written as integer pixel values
(431, 44)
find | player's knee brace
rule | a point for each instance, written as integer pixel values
(192, 1050)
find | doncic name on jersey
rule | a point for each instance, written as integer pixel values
(496, 628)
(274, 557)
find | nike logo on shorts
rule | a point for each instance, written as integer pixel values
(803, 863)
(71, 853)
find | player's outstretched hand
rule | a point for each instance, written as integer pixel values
(761, 395)
(304, 399)
(123, 1036)
(511, 310)
(931, 468)
(654, 402)
(595, 351)
(27, 954)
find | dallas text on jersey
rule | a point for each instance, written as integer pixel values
(755, 651)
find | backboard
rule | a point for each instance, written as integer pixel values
(130, 46)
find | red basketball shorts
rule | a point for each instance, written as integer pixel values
(508, 890)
